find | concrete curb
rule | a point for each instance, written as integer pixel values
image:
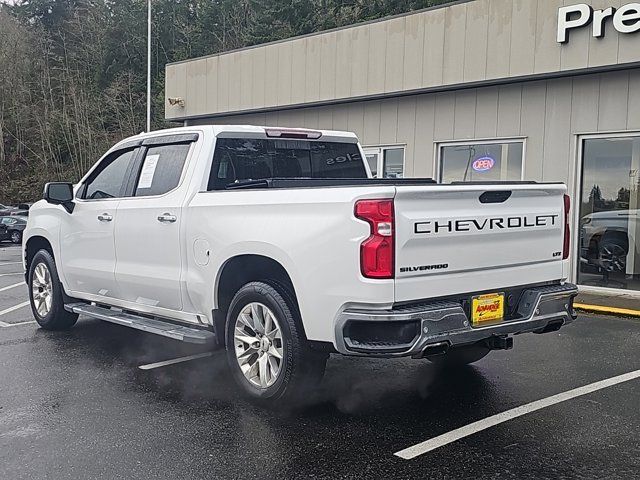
(620, 312)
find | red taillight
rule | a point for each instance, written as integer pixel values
(376, 252)
(567, 229)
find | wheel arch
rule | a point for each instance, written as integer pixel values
(240, 270)
(33, 245)
(620, 237)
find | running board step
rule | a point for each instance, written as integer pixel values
(150, 325)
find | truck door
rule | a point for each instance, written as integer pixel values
(86, 236)
(148, 246)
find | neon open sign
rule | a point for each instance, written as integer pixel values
(483, 164)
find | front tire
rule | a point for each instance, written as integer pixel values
(46, 295)
(268, 355)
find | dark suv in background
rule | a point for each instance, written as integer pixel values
(12, 227)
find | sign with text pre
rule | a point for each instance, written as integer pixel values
(625, 19)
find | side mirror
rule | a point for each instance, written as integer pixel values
(60, 193)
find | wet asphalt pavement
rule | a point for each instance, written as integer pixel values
(76, 405)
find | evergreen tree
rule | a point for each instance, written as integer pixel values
(74, 71)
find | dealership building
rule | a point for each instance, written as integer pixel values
(543, 90)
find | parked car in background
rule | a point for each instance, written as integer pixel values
(6, 210)
(22, 206)
(14, 228)
(21, 209)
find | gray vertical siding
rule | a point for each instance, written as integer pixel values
(548, 114)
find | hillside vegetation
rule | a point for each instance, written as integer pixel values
(73, 72)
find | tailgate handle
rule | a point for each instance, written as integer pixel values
(498, 196)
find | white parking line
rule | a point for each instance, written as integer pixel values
(10, 274)
(475, 427)
(10, 263)
(4, 289)
(175, 360)
(4, 324)
(12, 309)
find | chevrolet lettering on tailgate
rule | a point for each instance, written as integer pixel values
(485, 224)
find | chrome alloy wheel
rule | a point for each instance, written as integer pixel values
(613, 258)
(42, 289)
(258, 345)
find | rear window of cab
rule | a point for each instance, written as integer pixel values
(243, 159)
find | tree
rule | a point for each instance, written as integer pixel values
(74, 71)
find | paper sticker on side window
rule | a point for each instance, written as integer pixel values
(148, 171)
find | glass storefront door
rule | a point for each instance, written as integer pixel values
(610, 213)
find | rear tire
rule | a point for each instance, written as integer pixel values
(46, 294)
(460, 356)
(267, 352)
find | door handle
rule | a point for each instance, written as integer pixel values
(167, 218)
(105, 217)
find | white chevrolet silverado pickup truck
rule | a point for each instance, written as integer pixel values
(277, 245)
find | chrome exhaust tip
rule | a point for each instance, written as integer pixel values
(434, 349)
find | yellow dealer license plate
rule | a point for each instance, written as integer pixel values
(487, 308)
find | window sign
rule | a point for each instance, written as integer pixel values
(148, 170)
(481, 161)
(483, 164)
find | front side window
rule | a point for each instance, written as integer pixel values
(161, 169)
(481, 162)
(242, 159)
(110, 179)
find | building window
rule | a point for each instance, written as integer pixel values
(385, 162)
(609, 212)
(480, 161)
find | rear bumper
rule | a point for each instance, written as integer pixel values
(445, 323)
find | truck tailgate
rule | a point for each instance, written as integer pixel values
(472, 238)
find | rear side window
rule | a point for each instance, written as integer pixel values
(161, 169)
(109, 180)
(241, 159)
